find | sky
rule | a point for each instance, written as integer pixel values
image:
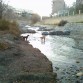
(41, 7)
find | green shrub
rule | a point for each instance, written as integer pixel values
(4, 25)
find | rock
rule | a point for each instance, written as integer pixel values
(66, 33)
(67, 72)
(45, 33)
(26, 30)
(48, 29)
(77, 62)
(59, 33)
(31, 31)
(81, 68)
(57, 68)
(79, 74)
(42, 29)
(56, 33)
(77, 82)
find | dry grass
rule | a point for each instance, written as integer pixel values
(9, 27)
(4, 25)
(4, 46)
(13, 29)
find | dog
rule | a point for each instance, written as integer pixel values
(42, 39)
(25, 37)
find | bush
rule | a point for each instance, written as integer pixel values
(10, 27)
(4, 25)
(62, 23)
(13, 29)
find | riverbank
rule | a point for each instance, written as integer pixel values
(21, 63)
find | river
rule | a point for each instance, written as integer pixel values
(61, 51)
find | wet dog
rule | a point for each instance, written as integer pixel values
(42, 39)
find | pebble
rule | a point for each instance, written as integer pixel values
(77, 62)
(81, 68)
(77, 82)
(57, 68)
(79, 74)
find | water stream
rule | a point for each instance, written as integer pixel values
(61, 52)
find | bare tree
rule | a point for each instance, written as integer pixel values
(9, 13)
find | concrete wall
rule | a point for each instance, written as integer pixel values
(55, 20)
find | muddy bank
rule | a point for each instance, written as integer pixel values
(21, 63)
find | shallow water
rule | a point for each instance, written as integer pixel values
(61, 52)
